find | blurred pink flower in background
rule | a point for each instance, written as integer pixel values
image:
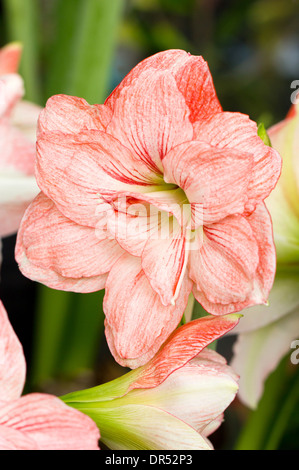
(35, 421)
(162, 141)
(18, 122)
(175, 401)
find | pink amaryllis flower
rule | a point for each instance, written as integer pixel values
(175, 401)
(152, 195)
(35, 421)
(18, 122)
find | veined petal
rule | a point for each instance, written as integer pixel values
(183, 345)
(69, 249)
(224, 267)
(76, 170)
(164, 260)
(257, 354)
(151, 202)
(145, 428)
(56, 281)
(11, 439)
(195, 82)
(150, 117)
(12, 360)
(71, 115)
(137, 322)
(235, 131)
(202, 172)
(196, 393)
(261, 225)
(11, 90)
(50, 423)
(193, 79)
(170, 60)
(10, 56)
(260, 228)
(133, 224)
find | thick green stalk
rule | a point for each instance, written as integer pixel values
(52, 311)
(93, 46)
(67, 334)
(61, 52)
(22, 23)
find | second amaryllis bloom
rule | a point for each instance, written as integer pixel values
(174, 402)
(18, 122)
(155, 194)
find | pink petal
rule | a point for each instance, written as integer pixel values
(54, 280)
(10, 56)
(137, 323)
(164, 260)
(11, 439)
(69, 249)
(132, 222)
(50, 423)
(75, 170)
(195, 81)
(214, 179)
(192, 76)
(150, 117)
(11, 90)
(55, 259)
(71, 115)
(17, 153)
(224, 267)
(12, 360)
(182, 346)
(261, 229)
(140, 213)
(261, 225)
(234, 131)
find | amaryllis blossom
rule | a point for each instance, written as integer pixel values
(266, 333)
(155, 194)
(174, 401)
(18, 122)
(35, 421)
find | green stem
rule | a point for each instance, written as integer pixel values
(52, 312)
(22, 20)
(93, 47)
(62, 52)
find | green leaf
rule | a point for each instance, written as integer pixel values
(262, 133)
(22, 23)
(93, 46)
